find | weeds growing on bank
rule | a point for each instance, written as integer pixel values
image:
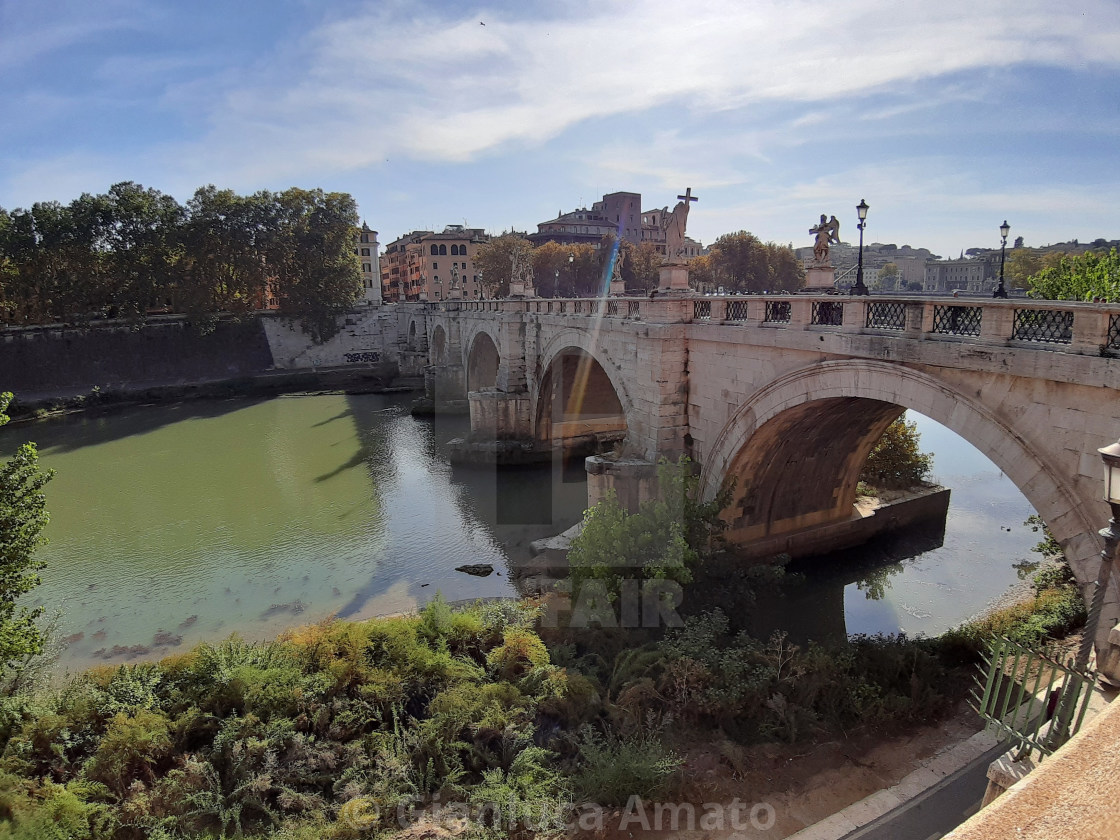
(294, 738)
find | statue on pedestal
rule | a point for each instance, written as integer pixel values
(827, 233)
(675, 223)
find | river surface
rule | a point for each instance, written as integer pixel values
(176, 524)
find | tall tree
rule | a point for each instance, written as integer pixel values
(223, 266)
(642, 270)
(22, 519)
(309, 251)
(495, 260)
(741, 263)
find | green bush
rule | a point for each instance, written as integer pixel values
(613, 768)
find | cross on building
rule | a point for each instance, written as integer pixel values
(687, 197)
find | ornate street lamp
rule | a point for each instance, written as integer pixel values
(859, 288)
(1111, 536)
(1004, 229)
(572, 270)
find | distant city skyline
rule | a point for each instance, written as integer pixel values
(947, 118)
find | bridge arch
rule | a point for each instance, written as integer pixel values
(483, 361)
(578, 391)
(438, 346)
(797, 445)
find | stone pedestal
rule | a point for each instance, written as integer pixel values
(674, 278)
(521, 289)
(496, 415)
(618, 288)
(632, 479)
(820, 278)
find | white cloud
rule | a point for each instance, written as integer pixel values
(438, 86)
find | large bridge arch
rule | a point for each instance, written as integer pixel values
(483, 361)
(583, 341)
(823, 420)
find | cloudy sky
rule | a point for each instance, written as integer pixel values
(947, 116)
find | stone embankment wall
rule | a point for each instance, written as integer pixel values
(57, 361)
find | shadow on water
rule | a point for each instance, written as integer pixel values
(808, 603)
(71, 432)
(501, 510)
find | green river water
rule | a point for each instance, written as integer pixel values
(176, 524)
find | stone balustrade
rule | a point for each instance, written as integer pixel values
(1073, 327)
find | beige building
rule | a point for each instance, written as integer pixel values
(424, 265)
(966, 275)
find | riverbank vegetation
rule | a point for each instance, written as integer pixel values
(133, 251)
(346, 730)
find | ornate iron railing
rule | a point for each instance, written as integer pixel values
(1029, 698)
(778, 312)
(737, 310)
(828, 313)
(578, 307)
(612, 307)
(957, 320)
(701, 310)
(886, 316)
(633, 308)
(1113, 340)
(1049, 326)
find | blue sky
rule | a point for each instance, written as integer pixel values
(946, 117)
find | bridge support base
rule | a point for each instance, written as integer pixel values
(633, 480)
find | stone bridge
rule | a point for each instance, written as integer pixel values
(786, 395)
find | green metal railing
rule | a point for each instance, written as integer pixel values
(1031, 699)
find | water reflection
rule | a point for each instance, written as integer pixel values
(176, 524)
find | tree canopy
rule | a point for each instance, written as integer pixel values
(1093, 274)
(23, 516)
(741, 262)
(896, 462)
(133, 250)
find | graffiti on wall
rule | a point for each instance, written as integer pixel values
(366, 357)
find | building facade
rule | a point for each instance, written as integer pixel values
(617, 213)
(965, 275)
(366, 250)
(425, 265)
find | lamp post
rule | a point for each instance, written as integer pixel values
(859, 288)
(572, 270)
(1004, 229)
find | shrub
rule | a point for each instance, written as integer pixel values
(614, 768)
(520, 652)
(131, 749)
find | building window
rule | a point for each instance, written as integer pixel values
(435, 264)
(365, 252)
(366, 268)
(443, 250)
(435, 250)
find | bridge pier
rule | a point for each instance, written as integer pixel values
(633, 480)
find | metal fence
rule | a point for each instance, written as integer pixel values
(701, 310)
(778, 312)
(1049, 326)
(633, 308)
(886, 316)
(1113, 341)
(1029, 698)
(828, 313)
(737, 310)
(957, 320)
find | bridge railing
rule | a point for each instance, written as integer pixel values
(1055, 325)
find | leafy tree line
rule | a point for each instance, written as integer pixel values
(739, 262)
(1094, 274)
(134, 250)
